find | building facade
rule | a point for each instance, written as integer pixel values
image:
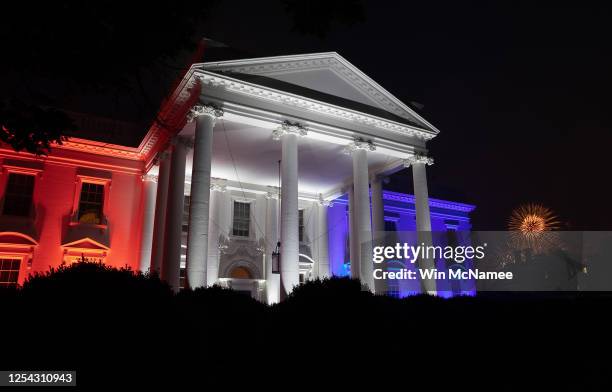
(245, 156)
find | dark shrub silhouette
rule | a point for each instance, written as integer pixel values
(116, 327)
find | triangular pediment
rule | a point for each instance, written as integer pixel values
(85, 243)
(327, 73)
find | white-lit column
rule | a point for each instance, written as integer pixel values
(378, 213)
(149, 190)
(290, 270)
(353, 236)
(197, 239)
(217, 191)
(358, 150)
(378, 224)
(174, 213)
(323, 270)
(161, 203)
(423, 217)
(272, 280)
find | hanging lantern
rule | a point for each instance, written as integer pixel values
(276, 259)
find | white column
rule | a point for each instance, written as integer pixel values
(272, 280)
(423, 217)
(149, 190)
(322, 235)
(358, 149)
(174, 213)
(353, 236)
(217, 190)
(290, 270)
(161, 202)
(378, 224)
(197, 239)
(378, 212)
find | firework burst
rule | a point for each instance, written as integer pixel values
(532, 226)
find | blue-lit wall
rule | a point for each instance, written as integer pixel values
(446, 216)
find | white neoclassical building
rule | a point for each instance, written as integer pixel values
(253, 152)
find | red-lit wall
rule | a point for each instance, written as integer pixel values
(55, 190)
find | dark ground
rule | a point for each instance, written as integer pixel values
(117, 329)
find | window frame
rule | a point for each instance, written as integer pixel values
(301, 225)
(23, 264)
(250, 204)
(28, 211)
(106, 183)
(7, 170)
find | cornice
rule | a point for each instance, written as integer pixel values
(447, 205)
(93, 147)
(323, 202)
(172, 112)
(328, 60)
(183, 98)
(150, 177)
(409, 199)
(59, 159)
(280, 97)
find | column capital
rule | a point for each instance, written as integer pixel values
(204, 110)
(161, 155)
(418, 158)
(378, 177)
(149, 177)
(359, 144)
(184, 140)
(218, 184)
(218, 188)
(288, 127)
(324, 203)
(272, 193)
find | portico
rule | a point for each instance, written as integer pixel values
(215, 208)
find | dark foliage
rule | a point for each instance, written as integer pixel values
(61, 54)
(32, 128)
(118, 327)
(110, 59)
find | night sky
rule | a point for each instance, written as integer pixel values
(520, 94)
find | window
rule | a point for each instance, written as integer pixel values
(19, 190)
(393, 289)
(242, 213)
(390, 226)
(90, 203)
(182, 278)
(301, 224)
(9, 272)
(186, 206)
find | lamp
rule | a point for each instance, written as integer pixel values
(276, 259)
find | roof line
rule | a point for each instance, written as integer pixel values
(337, 56)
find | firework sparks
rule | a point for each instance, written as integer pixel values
(533, 218)
(532, 226)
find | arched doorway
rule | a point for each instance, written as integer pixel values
(242, 278)
(241, 272)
